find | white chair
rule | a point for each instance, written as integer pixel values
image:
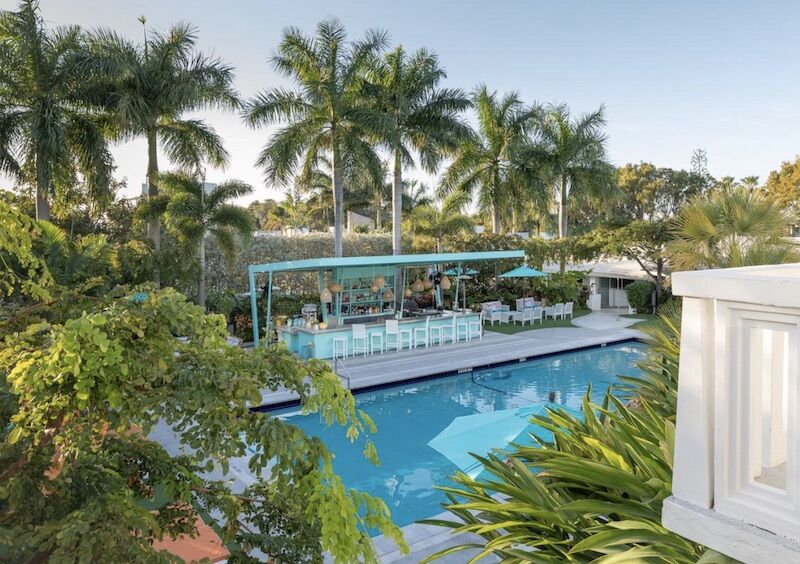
(359, 339)
(339, 347)
(495, 315)
(375, 338)
(392, 335)
(538, 313)
(523, 316)
(423, 334)
(558, 311)
(476, 329)
(568, 310)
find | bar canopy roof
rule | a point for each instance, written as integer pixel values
(382, 260)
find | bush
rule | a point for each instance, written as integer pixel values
(640, 296)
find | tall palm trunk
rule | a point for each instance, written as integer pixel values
(397, 203)
(378, 219)
(562, 219)
(201, 283)
(338, 197)
(495, 218)
(563, 195)
(154, 224)
(42, 203)
(42, 191)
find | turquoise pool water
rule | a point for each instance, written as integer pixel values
(410, 415)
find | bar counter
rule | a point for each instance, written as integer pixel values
(318, 343)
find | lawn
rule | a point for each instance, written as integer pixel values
(642, 317)
(511, 328)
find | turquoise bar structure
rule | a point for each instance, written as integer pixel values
(321, 265)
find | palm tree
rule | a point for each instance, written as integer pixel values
(421, 118)
(570, 157)
(149, 88)
(415, 193)
(750, 182)
(490, 162)
(73, 261)
(366, 182)
(193, 211)
(326, 116)
(437, 222)
(48, 132)
(730, 227)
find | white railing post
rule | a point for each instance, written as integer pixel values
(736, 475)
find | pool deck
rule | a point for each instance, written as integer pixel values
(391, 367)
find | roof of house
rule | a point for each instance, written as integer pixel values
(606, 268)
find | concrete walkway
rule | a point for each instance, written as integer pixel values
(607, 320)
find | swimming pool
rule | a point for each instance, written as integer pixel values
(411, 414)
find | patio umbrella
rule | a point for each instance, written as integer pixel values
(482, 432)
(459, 272)
(523, 271)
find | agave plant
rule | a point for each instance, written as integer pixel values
(658, 381)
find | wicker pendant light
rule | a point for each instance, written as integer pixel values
(418, 286)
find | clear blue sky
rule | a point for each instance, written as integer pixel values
(674, 75)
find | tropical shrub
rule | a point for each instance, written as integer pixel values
(85, 378)
(657, 382)
(594, 493)
(731, 227)
(640, 295)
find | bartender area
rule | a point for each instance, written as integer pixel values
(373, 304)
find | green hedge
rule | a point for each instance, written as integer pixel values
(262, 249)
(640, 296)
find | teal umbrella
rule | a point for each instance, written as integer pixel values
(483, 432)
(459, 272)
(523, 271)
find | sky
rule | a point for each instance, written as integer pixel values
(673, 76)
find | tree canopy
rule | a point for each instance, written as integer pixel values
(88, 377)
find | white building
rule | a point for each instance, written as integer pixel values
(608, 278)
(736, 483)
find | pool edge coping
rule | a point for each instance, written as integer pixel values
(268, 407)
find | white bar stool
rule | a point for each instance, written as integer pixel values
(437, 334)
(462, 331)
(404, 336)
(375, 338)
(359, 339)
(476, 329)
(339, 347)
(423, 334)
